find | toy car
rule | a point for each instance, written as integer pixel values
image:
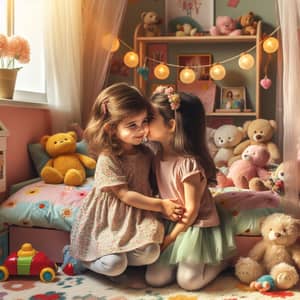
(28, 261)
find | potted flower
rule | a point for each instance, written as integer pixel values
(14, 50)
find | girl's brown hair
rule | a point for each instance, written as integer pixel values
(114, 104)
(190, 131)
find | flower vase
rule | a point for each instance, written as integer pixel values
(7, 82)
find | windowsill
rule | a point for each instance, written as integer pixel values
(23, 104)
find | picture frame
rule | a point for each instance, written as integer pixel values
(198, 13)
(204, 89)
(198, 60)
(233, 99)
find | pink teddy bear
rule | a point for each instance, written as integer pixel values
(225, 25)
(253, 162)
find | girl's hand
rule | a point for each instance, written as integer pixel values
(166, 242)
(172, 210)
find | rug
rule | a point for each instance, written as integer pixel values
(91, 286)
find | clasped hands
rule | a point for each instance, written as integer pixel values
(172, 210)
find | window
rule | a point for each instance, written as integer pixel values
(25, 18)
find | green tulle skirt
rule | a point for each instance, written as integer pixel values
(208, 245)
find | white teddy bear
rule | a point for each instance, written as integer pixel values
(226, 137)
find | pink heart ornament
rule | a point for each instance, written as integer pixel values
(266, 82)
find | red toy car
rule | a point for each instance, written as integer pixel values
(28, 261)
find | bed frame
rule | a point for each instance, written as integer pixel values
(51, 241)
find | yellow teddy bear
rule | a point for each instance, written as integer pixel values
(65, 166)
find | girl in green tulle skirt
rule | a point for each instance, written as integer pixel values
(196, 248)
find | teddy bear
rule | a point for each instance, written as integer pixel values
(65, 166)
(225, 25)
(185, 30)
(248, 23)
(151, 23)
(252, 164)
(260, 132)
(226, 137)
(277, 254)
(274, 183)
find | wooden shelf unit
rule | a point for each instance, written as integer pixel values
(140, 47)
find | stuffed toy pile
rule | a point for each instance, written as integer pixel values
(65, 166)
(260, 132)
(253, 164)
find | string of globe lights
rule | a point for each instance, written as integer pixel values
(187, 75)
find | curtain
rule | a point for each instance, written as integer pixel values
(63, 52)
(100, 18)
(289, 16)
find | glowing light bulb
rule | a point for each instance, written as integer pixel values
(131, 59)
(161, 71)
(217, 72)
(187, 76)
(110, 43)
(246, 61)
(270, 45)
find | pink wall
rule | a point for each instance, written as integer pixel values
(25, 125)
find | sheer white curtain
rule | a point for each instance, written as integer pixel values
(63, 52)
(289, 16)
(100, 18)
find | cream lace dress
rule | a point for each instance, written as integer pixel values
(106, 225)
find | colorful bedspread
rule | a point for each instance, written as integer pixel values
(56, 205)
(44, 205)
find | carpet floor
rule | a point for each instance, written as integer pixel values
(90, 286)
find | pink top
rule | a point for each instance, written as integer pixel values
(170, 175)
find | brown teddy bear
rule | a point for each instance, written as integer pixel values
(248, 23)
(65, 166)
(260, 132)
(151, 23)
(277, 254)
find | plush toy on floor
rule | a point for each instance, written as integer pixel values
(264, 283)
(278, 254)
(66, 165)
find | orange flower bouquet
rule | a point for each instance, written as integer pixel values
(13, 49)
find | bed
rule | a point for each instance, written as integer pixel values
(43, 214)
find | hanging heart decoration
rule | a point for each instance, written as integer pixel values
(266, 82)
(144, 72)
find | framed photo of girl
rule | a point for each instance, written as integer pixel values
(233, 99)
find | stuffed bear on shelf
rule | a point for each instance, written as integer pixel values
(151, 23)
